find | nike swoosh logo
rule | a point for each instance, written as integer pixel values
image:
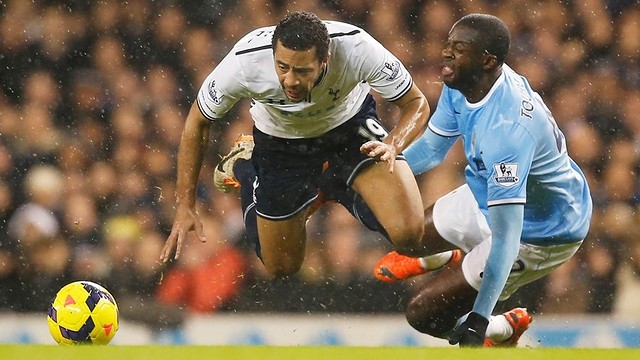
(456, 112)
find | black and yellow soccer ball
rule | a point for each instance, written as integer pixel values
(83, 312)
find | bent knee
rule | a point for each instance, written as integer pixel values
(406, 234)
(280, 269)
(431, 326)
(429, 320)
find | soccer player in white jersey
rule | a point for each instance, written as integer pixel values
(309, 81)
(524, 210)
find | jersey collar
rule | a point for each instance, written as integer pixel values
(484, 100)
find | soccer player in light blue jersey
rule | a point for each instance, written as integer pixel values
(524, 210)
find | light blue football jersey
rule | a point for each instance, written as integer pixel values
(517, 155)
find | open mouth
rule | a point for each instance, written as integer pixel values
(446, 71)
(294, 96)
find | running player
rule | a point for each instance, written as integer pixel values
(310, 82)
(524, 210)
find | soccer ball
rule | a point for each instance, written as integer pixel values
(83, 312)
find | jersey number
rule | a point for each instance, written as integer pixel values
(372, 130)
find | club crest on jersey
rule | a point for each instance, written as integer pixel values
(391, 70)
(506, 174)
(334, 93)
(213, 93)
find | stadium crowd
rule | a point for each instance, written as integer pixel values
(93, 98)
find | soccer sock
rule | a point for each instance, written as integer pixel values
(436, 261)
(245, 173)
(499, 329)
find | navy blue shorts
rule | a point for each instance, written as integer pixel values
(290, 171)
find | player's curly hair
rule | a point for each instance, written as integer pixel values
(301, 31)
(492, 34)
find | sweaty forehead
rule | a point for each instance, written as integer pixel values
(297, 58)
(461, 33)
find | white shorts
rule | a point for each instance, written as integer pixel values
(458, 219)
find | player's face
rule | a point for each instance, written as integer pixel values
(462, 61)
(297, 71)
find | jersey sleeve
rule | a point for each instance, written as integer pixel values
(222, 88)
(506, 227)
(443, 121)
(508, 157)
(428, 151)
(383, 71)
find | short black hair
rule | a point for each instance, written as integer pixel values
(492, 34)
(302, 30)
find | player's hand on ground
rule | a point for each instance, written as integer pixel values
(471, 332)
(381, 151)
(186, 219)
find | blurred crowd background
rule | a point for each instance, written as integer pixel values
(94, 95)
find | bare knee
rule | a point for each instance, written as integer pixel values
(428, 318)
(431, 242)
(281, 267)
(440, 301)
(282, 245)
(406, 234)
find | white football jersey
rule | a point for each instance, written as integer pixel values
(357, 63)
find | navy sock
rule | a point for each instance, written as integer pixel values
(245, 173)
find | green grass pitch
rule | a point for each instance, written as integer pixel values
(156, 352)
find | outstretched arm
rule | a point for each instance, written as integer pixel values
(428, 151)
(193, 144)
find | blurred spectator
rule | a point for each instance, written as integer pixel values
(37, 139)
(612, 237)
(9, 277)
(42, 89)
(40, 255)
(625, 304)
(80, 220)
(207, 276)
